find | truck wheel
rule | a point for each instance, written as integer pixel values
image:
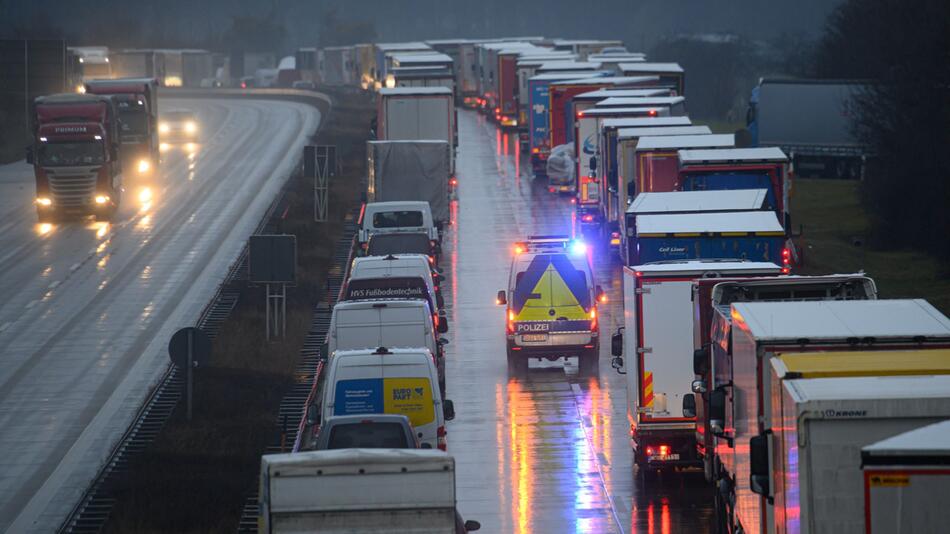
(441, 368)
(588, 362)
(517, 364)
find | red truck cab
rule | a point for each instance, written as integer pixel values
(75, 156)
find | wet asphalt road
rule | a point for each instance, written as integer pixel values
(86, 308)
(548, 451)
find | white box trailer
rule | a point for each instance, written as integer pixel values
(658, 320)
(907, 481)
(410, 170)
(358, 490)
(819, 427)
(418, 113)
(742, 408)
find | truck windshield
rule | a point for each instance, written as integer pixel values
(134, 124)
(368, 436)
(386, 244)
(71, 154)
(397, 219)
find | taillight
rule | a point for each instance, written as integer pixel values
(593, 318)
(652, 113)
(510, 325)
(664, 450)
(535, 150)
(440, 435)
(587, 218)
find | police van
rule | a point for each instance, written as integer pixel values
(551, 303)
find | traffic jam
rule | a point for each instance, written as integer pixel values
(646, 271)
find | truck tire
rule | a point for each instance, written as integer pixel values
(588, 362)
(517, 364)
(441, 368)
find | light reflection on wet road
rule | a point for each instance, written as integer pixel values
(548, 451)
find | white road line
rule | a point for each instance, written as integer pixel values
(55, 284)
(31, 304)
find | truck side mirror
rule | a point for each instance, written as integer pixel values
(698, 386)
(689, 405)
(759, 464)
(443, 341)
(502, 298)
(593, 163)
(443, 324)
(471, 525)
(448, 410)
(324, 350)
(29, 155)
(617, 363)
(701, 361)
(717, 411)
(313, 415)
(616, 344)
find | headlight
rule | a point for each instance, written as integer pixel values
(102, 199)
(163, 128)
(145, 195)
(191, 127)
(44, 201)
(144, 165)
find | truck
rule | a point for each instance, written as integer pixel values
(137, 102)
(808, 460)
(618, 145)
(539, 116)
(417, 113)
(137, 64)
(197, 68)
(746, 235)
(712, 298)
(410, 170)
(657, 162)
(810, 120)
(657, 304)
(75, 156)
(906, 481)
(741, 406)
(671, 75)
(88, 63)
(738, 168)
(359, 490)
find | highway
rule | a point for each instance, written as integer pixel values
(87, 308)
(549, 451)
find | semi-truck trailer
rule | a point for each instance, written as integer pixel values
(410, 170)
(810, 120)
(413, 113)
(740, 407)
(657, 303)
(75, 156)
(907, 480)
(657, 161)
(539, 116)
(712, 298)
(137, 102)
(808, 461)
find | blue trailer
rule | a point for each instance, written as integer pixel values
(749, 235)
(538, 116)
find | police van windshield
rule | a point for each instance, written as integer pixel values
(397, 219)
(71, 154)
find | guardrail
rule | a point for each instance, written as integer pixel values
(92, 511)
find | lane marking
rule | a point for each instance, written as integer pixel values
(31, 304)
(74, 266)
(55, 284)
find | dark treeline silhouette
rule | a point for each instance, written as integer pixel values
(904, 117)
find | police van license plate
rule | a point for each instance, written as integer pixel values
(665, 457)
(534, 337)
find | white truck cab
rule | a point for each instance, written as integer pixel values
(397, 216)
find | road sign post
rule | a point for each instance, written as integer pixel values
(189, 348)
(320, 164)
(272, 261)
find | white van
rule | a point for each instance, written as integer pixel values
(367, 324)
(391, 381)
(394, 276)
(397, 216)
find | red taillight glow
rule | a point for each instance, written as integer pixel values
(535, 150)
(440, 436)
(497, 111)
(519, 249)
(603, 299)
(649, 451)
(453, 181)
(664, 450)
(652, 113)
(243, 85)
(587, 218)
(580, 114)
(510, 324)
(639, 274)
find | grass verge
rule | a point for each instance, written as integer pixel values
(194, 476)
(836, 237)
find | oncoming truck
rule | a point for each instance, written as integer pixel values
(75, 157)
(137, 102)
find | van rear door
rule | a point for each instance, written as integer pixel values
(408, 390)
(665, 311)
(552, 290)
